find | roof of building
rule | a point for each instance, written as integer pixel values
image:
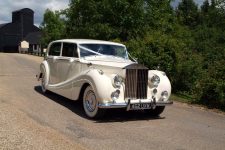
(33, 38)
(2, 25)
(24, 9)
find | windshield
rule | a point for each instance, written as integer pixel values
(103, 49)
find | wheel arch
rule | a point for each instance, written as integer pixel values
(100, 83)
(45, 68)
(84, 86)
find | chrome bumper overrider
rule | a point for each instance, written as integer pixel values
(126, 105)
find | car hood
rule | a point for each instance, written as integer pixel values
(107, 61)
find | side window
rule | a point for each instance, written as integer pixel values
(55, 49)
(69, 50)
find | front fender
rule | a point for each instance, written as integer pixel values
(100, 82)
(164, 84)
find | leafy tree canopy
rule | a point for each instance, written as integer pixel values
(187, 42)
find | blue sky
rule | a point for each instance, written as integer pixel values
(39, 7)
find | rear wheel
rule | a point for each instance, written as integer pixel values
(90, 104)
(155, 112)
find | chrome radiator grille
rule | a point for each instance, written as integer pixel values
(136, 83)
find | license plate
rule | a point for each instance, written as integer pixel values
(140, 106)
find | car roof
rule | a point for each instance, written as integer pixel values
(88, 41)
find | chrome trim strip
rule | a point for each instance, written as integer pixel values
(112, 105)
(125, 105)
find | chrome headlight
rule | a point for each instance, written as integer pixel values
(117, 81)
(155, 80)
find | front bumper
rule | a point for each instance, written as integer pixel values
(136, 101)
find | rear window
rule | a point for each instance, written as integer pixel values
(55, 49)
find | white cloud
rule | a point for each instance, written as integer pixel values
(39, 7)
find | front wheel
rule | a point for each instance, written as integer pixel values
(155, 112)
(90, 104)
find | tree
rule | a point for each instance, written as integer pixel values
(213, 3)
(187, 13)
(205, 6)
(187, 43)
(52, 27)
(106, 19)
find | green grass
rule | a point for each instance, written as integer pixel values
(189, 100)
(181, 98)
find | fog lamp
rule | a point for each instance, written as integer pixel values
(164, 95)
(115, 95)
(154, 91)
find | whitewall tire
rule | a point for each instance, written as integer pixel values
(90, 104)
(44, 81)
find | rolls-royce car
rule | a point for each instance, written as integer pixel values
(103, 76)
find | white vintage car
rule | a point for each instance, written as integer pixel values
(101, 74)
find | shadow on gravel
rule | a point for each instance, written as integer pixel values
(112, 115)
(121, 115)
(74, 106)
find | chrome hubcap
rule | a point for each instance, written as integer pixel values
(90, 101)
